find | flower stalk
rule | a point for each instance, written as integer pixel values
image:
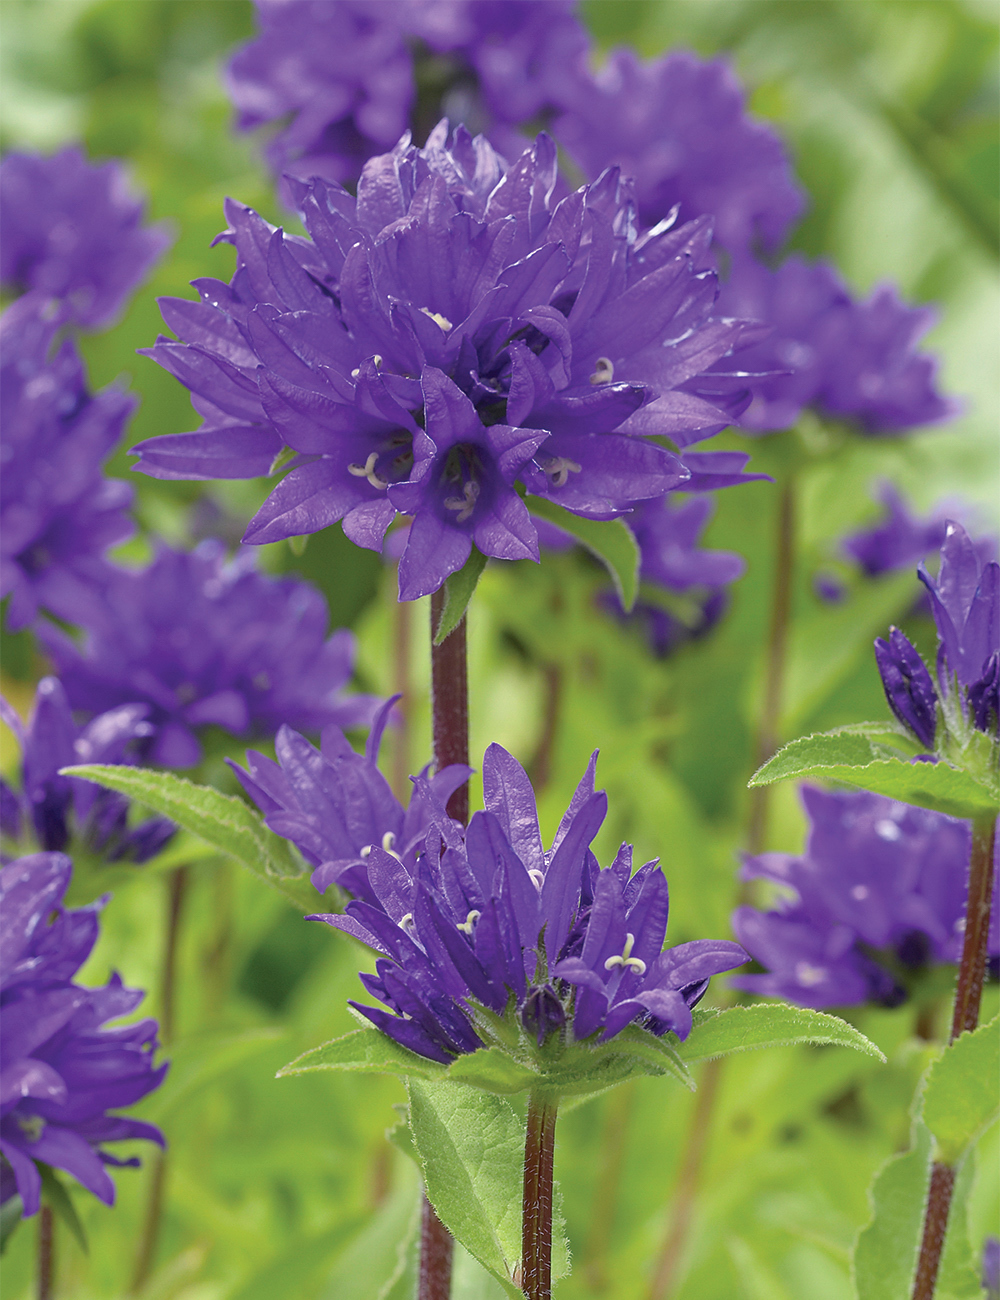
(965, 1018)
(536, 1220)
(46, 1253)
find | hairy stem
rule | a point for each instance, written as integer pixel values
(436, 1249)
(536, 1220)
(46, 1253)
(968, 994)
(686, 1189)
(768, 731)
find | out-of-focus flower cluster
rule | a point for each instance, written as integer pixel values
(62, 1070)
(877, 897)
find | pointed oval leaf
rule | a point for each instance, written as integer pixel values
(960, 1097)
(768, 1024)
(610, 540)
(367, 1050)
(458, 589)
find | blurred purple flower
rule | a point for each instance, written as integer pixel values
(678, 125)
(991, 1268)
(61, 1071)
(484, 913)
(59, 808)
(72, 230)
(878, 895)
(846, 359)
(201, 641)
(574, 340)
(58, 513)
(335, 805)
(898, 540)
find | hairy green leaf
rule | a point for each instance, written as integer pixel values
(368, 1050)
(494, 1070)
(610, 540)
(768, 1024)
(885, 1252)
(458, 589)
(222, 820)
(855, 760)
(960, 1096)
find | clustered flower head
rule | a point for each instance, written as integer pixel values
(58, 511)
(485, 916)
(965, 602)
(843, 358)
(346, 78)
(57, 810)
(201, 641)
(877, 897)
(73, 231)
(62, 1072)
(335, 805)
(449, 336)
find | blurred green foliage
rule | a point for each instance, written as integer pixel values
(290, 1188)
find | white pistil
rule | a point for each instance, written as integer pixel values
(406, 920)
(537, 878)
(389, 845)
(442, 322)
(367, 470)
(470, 921)
(604, 371)
(559, 468)
(626, 960)
(356, 372)
(465, 504)
(365, 851)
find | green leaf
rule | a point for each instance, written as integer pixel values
(222, 820)
(56, 1196)
(380, 1261)
(653, 1055)
(471, 1150)
(885, 1252)
(493, 1070)
(768, 1024)
(296, 1269)
(610, 540)
(458, 589)
(10, 1217)
(855, 760)
(960, 1097)
(368, 1050)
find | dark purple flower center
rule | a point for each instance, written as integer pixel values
(462, 480)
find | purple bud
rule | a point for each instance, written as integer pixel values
(542, 1013)
(984, 696)
(908, 685)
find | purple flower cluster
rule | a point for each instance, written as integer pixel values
(58, 512)
(901, 540)
(878, 895)
(344, 77)
(965, 602)
(200, 641)
(485, 914)
(58, 809)
(73, 231)
(449, 336)
(845, 359)
(61, 1070)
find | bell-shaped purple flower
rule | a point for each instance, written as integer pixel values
(201, 641)
(878, 895)
(72, 230)
(58, 512)
(484, 914)
(62, 1070)
(908, 686)
(55, 808)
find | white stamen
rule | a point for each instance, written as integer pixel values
(406, 920)
(442, 322)
(559, 468)
(367, 470)
(365, 851)
(626, 960)
(537, 878)
(604, 371)
(465, 504)
(470, 921)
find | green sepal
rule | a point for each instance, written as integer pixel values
(58, 1199)
(222, 820)
(768, 1024)
(854, 759)
(960, 1095)
(458, 589)
(610, 540)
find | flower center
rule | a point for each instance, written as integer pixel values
(558, 469)
(465, 504)
(625, 960)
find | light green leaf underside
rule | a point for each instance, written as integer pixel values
(885, 1252)
(222, 820)
(458, 589)
(768, 1024)
(610, 540)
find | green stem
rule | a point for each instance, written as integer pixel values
(536, 1214)
(46, 1253)
(968, 995)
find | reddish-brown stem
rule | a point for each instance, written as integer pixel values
(686, 1188)
(536, 1220)
(450, 704)
(935, 1227)
(46, 1253)
(540, 767)
(436, 1249)
(968, 994)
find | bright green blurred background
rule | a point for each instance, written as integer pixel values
(290, 1189)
